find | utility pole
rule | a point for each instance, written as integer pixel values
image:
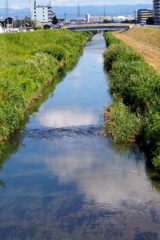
(7, 13)
(131, 12)
(104, 11)
(78, 11)
(118, 11)
(7, 9)
(16, 17)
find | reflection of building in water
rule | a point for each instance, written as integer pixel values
(41, 13)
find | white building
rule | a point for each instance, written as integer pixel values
(41, 13)
(1, 28)
(90, 18)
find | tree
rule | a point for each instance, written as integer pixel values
(125, 21)
(29, 23)
(106, 21)
(8, 20)
(2, 23)
(150, 21)
(133, 21)
(54, 20)
(129, 21)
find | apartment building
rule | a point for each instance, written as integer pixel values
(41, 13)
(156, 12)
(144, 14)
(90, 18)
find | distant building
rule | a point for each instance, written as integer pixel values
(60, 20)
(144, 14)
(1, 28)
(41, 13)
(119, 18)
(156, 12)
(90, 18)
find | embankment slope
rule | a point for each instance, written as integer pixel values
(144, 40)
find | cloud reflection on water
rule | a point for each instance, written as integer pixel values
(66, 117)
(101, 174)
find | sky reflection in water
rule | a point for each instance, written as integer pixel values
(80, 99)
(101, 174)
(66, 117)
(69, 183)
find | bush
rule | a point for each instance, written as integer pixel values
(137, 83)
(56, 51)
(119, 52)
(151, 137)
(121, 124)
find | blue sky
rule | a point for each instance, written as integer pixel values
(18, 4)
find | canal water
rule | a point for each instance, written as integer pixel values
(66, 181)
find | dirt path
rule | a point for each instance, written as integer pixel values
(140, 40)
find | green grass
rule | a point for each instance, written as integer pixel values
(27, 62)
(138, 85)
(121, 123)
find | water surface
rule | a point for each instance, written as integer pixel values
(68, 182)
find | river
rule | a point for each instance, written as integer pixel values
(66, 181)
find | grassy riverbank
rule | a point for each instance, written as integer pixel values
(30, 61)
(135, 86)
(144, 40)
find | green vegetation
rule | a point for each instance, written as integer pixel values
(150, 21)
(29, 62)
(135, 85)
(129, 21)
(54, 20)
(15, 139)
(121, 124)
(107, 21)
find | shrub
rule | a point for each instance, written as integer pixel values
(119, 52)
(151, 137)
(121, 124)
(56, 51)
